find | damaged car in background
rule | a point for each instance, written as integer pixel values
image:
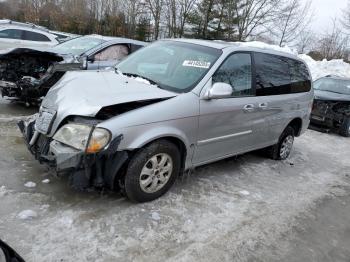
(331, 108)
(26, 74)
(171, 106)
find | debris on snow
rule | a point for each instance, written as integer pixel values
(155, 216)
(66, 221)
(45, 181)
(244, 193)
(44, 207)
(27, 214)
(30, 184)
(3, 191)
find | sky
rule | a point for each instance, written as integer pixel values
(325, 11)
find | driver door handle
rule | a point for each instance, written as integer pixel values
(249, 108)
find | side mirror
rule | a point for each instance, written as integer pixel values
(91, 58)
(219, 90)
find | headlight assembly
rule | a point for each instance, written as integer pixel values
(77, 136)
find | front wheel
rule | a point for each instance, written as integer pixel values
(152, 171)
(283, 148)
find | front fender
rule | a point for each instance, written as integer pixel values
(138, 137)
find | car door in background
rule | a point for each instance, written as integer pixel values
(233, 125)
(10, 38)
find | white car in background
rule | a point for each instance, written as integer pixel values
(16, 34)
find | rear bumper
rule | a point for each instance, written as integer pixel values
(85, 170)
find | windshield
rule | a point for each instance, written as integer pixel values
(333, 85)
(78, 46)
(174, 66)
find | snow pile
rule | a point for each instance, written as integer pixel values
(322, 68)
(263, 45)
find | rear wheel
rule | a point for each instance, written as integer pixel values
(283, 148)
(345, 127)
(152, 171)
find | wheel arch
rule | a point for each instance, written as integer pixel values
(296, 124)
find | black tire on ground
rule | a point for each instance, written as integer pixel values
(274, 151)
(345, 127)
(132, 180)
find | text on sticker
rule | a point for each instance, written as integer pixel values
(193, 63)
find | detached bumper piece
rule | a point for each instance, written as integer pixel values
(85, 171)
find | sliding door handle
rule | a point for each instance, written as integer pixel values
(249, 108)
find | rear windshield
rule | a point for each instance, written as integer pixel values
(78, 46)
(339, 86)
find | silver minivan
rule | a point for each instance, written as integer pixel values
(169, 107)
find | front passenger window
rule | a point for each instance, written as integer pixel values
(236, 70)
(114, 52)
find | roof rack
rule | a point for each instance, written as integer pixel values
(30, 25)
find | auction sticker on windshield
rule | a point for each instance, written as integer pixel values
(194, 63)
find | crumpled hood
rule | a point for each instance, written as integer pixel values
(47, 52)
(331, 96)
(84, 93)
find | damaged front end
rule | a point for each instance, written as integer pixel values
(86, 168)
(26, 75)
(329, 115)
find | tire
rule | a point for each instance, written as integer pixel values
(283, 148)
(345, 127)
(147, 177)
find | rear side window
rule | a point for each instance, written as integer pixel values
(11, 34)
(236, 70)
(278, 75)
(33, 36)
(300, 77)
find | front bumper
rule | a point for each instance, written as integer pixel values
(84, 170)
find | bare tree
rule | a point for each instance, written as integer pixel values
(334, 45)
(155, 7)
(305, 42)
(291, 19)
(252, 15)
(185, 8)
(346, 17)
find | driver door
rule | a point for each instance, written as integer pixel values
(231, 125)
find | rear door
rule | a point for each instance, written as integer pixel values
(281, 83)
(231, 125)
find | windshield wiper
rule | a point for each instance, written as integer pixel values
(137, 75)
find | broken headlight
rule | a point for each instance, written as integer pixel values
(80, 137)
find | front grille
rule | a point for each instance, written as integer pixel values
(43, 145)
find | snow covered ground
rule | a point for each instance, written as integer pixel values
(240, 209)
